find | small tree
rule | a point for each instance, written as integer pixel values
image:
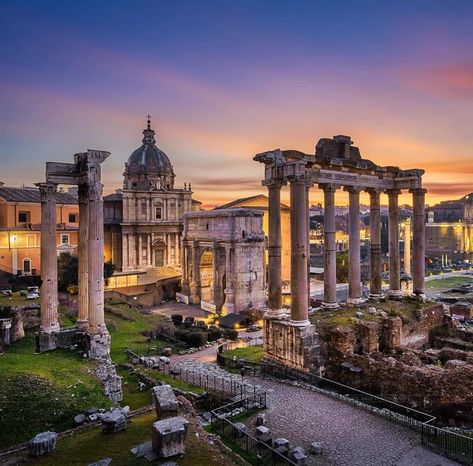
(177, 319)
(342, 267)
(67, 270)
(108, 269)
(197, 339)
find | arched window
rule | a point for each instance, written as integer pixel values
(26, 266)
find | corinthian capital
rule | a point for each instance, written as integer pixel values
(47, 191)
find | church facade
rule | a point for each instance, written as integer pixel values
(144, 220)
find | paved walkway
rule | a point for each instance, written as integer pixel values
(349, 435)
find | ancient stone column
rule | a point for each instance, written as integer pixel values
(375, 244)
(393, 235)
(407, 246)
(418, 250)
(330, 249)
(185, 268)
(229, 306)
(95, 262)
(299, 283)
(195, 283)
(274, 251)
(215, 279)
(354, 271)
(83, 297)
(49, 296)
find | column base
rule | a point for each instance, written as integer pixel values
(355, 301)
(395, 293)
(82, 324)
(46, 341)
(420, 296)
(275, 314)
(325, 305)
(376, 296)
(299, 323)
(98, 344)
(50, 329)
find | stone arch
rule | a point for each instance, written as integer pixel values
(159, 253)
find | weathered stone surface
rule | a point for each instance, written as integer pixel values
(169, 436)
(260, 419)
(263, 434)
(112, 382)
(114, 421)
(165, 401)
(43, 443)
(167, 352)
(316, 448)
(298, 456)
(17, 331)
(80, 419)
(104, 462)
(239, 429)
(281, 445)
(5, 331)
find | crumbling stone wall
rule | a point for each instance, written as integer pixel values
(417, 334)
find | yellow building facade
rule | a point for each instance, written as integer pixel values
(20, 229)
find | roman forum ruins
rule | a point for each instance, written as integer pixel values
(85, 173)
(336, 164)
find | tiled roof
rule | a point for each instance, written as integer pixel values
(32, 195)
(113, 197)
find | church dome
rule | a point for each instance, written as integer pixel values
(148, 167)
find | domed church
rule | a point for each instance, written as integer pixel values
(144, 220)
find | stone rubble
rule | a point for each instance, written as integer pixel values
(165, 402)
(42, 444)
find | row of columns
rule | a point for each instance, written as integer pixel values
(90, 252)
(300, 253)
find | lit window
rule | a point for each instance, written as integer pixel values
(64, 239)
(26, 266)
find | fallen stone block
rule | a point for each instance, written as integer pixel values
(42, 444)
(316, 448)
(298, 456)
(263, 434)
(165, 401)
(104, 462)
(281, 444)
(114, 421)
(260, 419)
(239, 429)
(80, 419)
(169, 436)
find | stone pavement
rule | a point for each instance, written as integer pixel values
(349, 435)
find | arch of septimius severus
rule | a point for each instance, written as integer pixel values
(85, 173)
(336, 164)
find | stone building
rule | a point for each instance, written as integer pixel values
(144, 220)
(223, 267)
(453, 210)
(261, 202)
(20, 229)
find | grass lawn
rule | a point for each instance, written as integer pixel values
(251, 353)
(43, 391)
(442, 284)
(16, 300)
(91, 445)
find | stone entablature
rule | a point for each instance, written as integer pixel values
(235, 239)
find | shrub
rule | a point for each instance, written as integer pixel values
(197, 339)
(231, 334)
(189, 321)
(202, 325)
(214, 333)
(177, 319)
(182, 335)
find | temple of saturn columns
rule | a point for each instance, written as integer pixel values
(336, 164)
(85, 173)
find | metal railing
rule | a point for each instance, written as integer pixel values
(255, 451)
(250, 368)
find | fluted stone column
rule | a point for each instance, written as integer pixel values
(393, 234)
(49, 295)
(229, 305)
(375, 244)
(195, 283)
(330, 249)
(274, 251)
(95, 262)
(299, 283)
(216, 281)
(354, 270)
(407, 246)
(83, 297)
(185, 268)
(418, 250)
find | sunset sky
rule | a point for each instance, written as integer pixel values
(224, 80)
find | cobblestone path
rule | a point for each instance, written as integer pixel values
(349, 435)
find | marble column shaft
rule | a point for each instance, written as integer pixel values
(330, 248)
(299, 283)
(95, 262)
(83, 296)
(274, 251)
(354, 271)
(229, 304)
(407, 246)
(393, 235)
(49, 294)
(375, 243)
(418, 250)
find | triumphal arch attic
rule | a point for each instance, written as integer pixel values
(336, 164)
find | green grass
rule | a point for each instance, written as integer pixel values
(43, 391)
(442, 284)
(91, 445)
(250, 354)
(17, 300)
